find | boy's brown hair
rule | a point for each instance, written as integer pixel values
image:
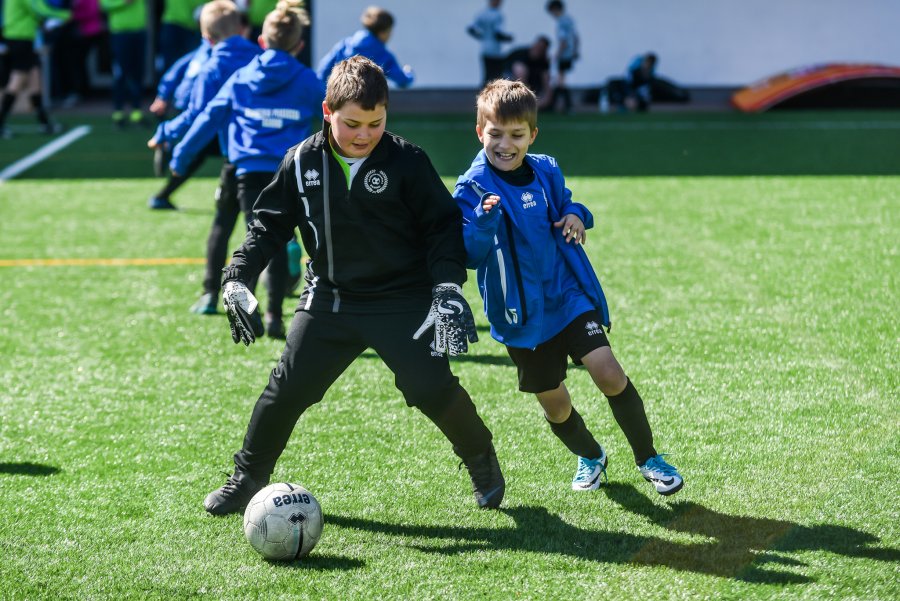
(219, 20)
(377, 20)
(283, 27)
(356, 79)
(503, 100)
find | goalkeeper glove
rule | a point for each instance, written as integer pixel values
(241, 307)
(454, 325)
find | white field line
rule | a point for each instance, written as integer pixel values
(45, 151)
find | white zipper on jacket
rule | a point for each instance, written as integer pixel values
(510, 314)
(328, 245)
(311, 289)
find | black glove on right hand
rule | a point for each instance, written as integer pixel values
(454, 325)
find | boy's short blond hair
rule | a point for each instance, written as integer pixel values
(356, 79)
(283, 27)
(503, 101)
(219, 20)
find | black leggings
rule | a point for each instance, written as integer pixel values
(237, 194)
(321, 346)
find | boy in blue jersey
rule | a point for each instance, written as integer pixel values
(265, 107)
(174, 89)
(222, 26)
(174, 92)
(370, 42)
(523, 234)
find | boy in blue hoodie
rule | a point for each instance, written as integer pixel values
(172, 96)
(370, 42)
(523, 234)
(264, 107)
(222, 26)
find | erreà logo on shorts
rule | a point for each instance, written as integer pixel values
(375, 181)
(528, 200)
(312, 178)
(592, 327)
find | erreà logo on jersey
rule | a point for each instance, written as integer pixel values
(375, 181)
(312, 178)
(528, 200)
(592, 327)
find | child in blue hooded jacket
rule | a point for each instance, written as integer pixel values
(523, 235)
(370, 42)
(264, 108)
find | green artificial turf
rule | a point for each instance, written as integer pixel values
(781, 143)
(757, 315)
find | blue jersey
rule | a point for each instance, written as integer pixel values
(177, 82)
(532, 282)
(265, 107)
(227, 56)
(364, 43)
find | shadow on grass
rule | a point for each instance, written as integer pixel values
(322, 562)
(27, 468)
(482, 359)
(739, 547)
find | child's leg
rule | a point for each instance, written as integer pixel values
(567, 424)
(624, 400)
(227, 211)
(428, 384)
(18, 82)
(35, 98)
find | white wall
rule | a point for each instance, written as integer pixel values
(699, 42)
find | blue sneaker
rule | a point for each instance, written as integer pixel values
(589, 472)
(663, 476)
(157, 203)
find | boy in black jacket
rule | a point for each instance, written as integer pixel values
(386, 249)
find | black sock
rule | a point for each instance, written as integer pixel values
(628, 410)
(173, 182)
(8, 101)
(37, 103)
(575, 435)
(461, 424)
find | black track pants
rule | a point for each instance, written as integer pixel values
(320, 346)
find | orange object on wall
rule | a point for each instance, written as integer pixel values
(764, 94)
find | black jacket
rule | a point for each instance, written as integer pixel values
(378, 247)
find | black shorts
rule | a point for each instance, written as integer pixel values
(564, 65)
(544, 368)
(21, 55)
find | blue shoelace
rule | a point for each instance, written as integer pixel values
(586, 466)
(660, 465)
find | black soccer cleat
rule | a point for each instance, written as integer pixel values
(274, 327)
(235, 494)
(487, 479)
(161, 204)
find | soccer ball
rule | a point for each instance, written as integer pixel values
(283, 521)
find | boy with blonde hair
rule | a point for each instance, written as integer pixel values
(523, 235)
(264, 108)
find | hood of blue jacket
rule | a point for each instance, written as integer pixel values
(275, 70)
